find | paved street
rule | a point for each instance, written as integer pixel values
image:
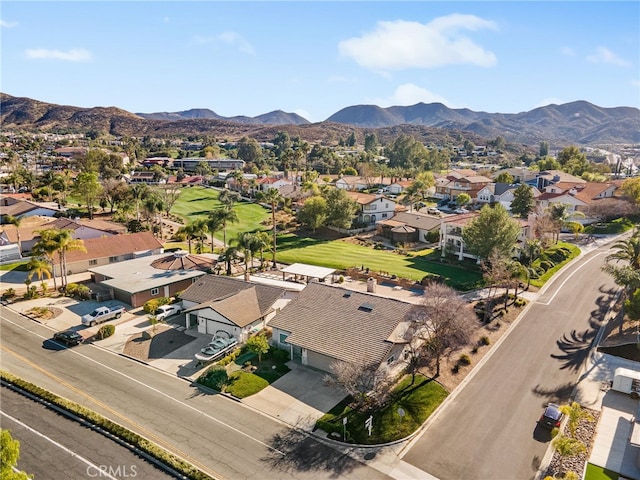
(223, 437)
(488, 428)
(53, 446)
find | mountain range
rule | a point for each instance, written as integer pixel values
(577, 122)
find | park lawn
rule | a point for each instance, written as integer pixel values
(342, 255)
(196, 202)
(417, 400)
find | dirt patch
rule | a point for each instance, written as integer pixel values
(44, 313)
(165, 341)
(452, 373)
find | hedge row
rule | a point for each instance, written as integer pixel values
(179, 465)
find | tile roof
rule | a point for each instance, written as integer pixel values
(418, 220)
(216, 287)
(362, 198)
(114, 246)
(342, 324)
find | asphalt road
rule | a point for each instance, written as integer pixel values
(489, 429)
(53, 446)
(226, 439)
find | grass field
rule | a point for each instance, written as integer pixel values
(342, 255)
(196, 202)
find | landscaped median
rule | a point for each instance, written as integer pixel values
(550, 261)
(410, 405)
(130, 439)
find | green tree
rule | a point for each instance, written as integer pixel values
(463, 199)
(228, 257)
(9, 456)
(340, 208)
(567, 447)
(41, 268)
(15, 221)
(544, 149)
(192, 231)
(406, 152)
(523, 201)
(313, 213)
(631, 189)
(224, 216)
(504, 177)
(250, 245)
(67, 243)
(371, 143)
(632, 305)
(114, 191)
(492, 230)
(88, 187)
(272, 197)
(573, 161)
(228, 197)
(138, 192)
(548, 163)
(46, 246)
(259, 345)
(628, 252)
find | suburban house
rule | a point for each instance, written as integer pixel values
(408, 227)
(148, 177)
(219, 164)
(519, 174)
(552, 177)
(577, 197)
(451, 234)
(372, 208)
(398, 187)
(460, 181)
(106, 250)
(501, 193)
(238, 307)
(327, 324)
(20, 208)
(266, 183)
(142, 279)
(353, 183)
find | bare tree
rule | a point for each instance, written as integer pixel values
(443, 321)
(365, 381)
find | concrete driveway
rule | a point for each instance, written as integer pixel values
(298, 398)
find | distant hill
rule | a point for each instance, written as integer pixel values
(571, 123)
(277, 117)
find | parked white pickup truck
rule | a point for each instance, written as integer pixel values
(102, 314)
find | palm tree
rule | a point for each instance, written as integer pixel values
(627, 251)
(225, 215)
(46, 247)
(66, 243)
(41, 268)
(228, 256)
(138, 192)
(15, 221)
(263, 240)
(273, 197)
(213, 225)
(228, 197)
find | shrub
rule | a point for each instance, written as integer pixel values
(152, 305)
(484, 340)
(230, 358)
(106, 331)
(455, 368)
(464, 359)
(279, 355)
(9, 293)
(474, 350)
(215, 377)
(32, 292)
(76, 290)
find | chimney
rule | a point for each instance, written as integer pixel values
(371, 285)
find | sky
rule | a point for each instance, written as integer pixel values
(315, 58)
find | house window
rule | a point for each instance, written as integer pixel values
(155, 291)
(391, 359)
(384, 215)
(283, 338)
(386, 205)
(113, 259)
(93, 262)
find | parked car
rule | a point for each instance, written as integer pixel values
(433, 211)
(69, 337)
(551, 417)
(102, 314)
(165, 311)
(461, 210)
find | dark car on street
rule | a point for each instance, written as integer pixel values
(68, 337)
(552, 417)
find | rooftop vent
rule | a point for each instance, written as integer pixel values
(347, 295)
(366, 307)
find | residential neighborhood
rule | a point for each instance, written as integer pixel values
(301, 295)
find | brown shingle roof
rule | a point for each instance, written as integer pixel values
(114, 246)
(216, 287)
(242, 308)
(183, 261)
(337, 323)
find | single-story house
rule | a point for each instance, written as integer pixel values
(327, 324)
(106, 250)
(421, 224)
(398, 187)
(20, 208)
(139, 280)
(353, 183)
(238, 307)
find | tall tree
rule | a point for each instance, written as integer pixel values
(341, 208)
(88, 187)
(442, 320)
(273, 197)
(313, 213)
(492, 230)
(523, 201)
(626, 251)
(41, 268)
(46, 246)
(504, 177)
(224, 215)
(573, 161)
(66, 243)
(16, 222)
(631, 190)
(363, 380)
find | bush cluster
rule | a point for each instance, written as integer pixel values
(76, 290)
(105, 331)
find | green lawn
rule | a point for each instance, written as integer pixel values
(417, 400)
(598, 473)
(18, 266)
(196, 202)
(619, 225)
(575, 251)
(342, 255)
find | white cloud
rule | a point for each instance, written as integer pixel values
(6, 24)
(410, 94)
(604, 55)
(235, 39)
(401, 44)
(568, 51)
(73, 55)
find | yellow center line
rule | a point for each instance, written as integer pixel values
(148, 434)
